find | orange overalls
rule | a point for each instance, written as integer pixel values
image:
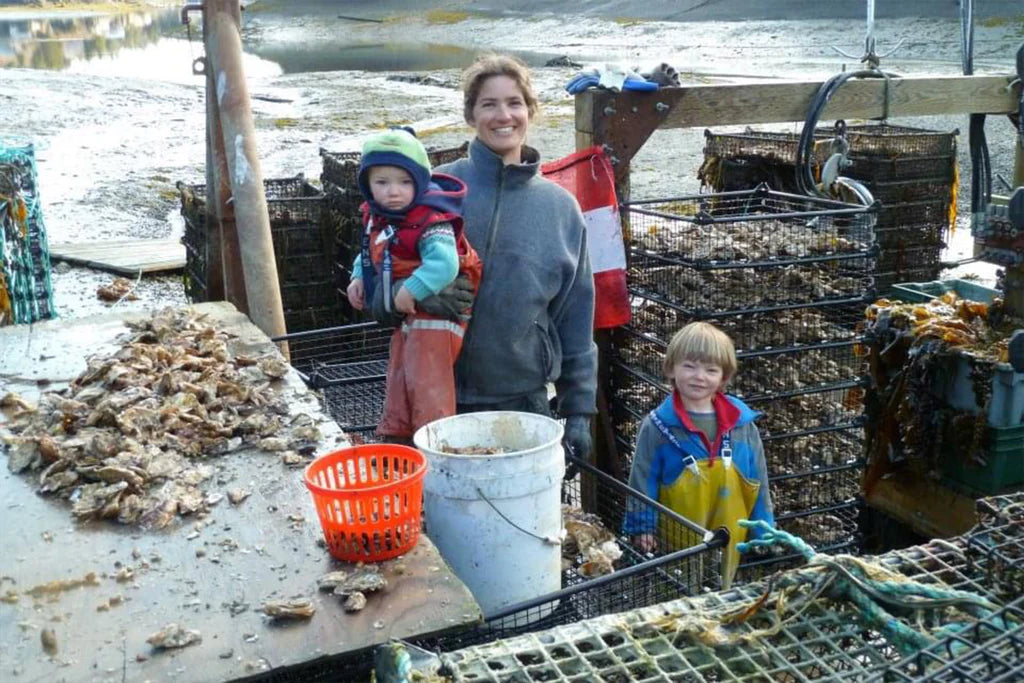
(420, 385)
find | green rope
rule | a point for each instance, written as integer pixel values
(24, 252)
(847, 580)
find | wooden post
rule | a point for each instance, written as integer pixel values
(216, 182)
(224, 260)
(255, 244)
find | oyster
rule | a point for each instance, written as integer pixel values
(354, 602)
(297, 608)
(125, 440)
(363, 580)
(173, 636)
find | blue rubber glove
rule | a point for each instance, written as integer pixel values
(591, 78)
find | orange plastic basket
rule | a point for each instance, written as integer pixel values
(369, 499)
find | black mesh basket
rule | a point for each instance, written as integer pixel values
(687, 562)
(302, 239)
(341, 169)
(348, 365)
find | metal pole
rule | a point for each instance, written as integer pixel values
(255, 244)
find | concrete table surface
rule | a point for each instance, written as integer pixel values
(210, 575)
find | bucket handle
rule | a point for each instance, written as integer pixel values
(552, 540)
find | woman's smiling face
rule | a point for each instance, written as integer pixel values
(502, 118)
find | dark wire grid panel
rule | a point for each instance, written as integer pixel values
(1002, 509)
(989, 651)
(801, 325)
(748, 228)
(817, 489)
(799, 453)
(834, 530)
(687, 561)
(997, 550)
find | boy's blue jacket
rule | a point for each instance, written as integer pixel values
(657, 462)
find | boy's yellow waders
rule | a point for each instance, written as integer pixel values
(712, 494)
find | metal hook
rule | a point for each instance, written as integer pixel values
(870, 56)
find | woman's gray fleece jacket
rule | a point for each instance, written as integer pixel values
(533, 316)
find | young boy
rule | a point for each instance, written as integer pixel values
(699, 452)
(412, 248)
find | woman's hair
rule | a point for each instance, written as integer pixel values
(702, 342)
(488, 65)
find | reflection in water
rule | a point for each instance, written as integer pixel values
(377, 57)
(57, 43)
(150, 44)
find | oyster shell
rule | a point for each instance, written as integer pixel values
(297, 608)
(174, 636)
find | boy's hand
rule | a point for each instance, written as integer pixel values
(646, 542)
(356, 294)
(404, 301)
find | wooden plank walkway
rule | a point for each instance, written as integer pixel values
(124, 257)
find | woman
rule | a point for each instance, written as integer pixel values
(532, 320)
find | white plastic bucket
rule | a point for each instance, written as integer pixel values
(496, 519)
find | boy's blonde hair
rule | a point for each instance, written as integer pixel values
(488, 65)
(702, 342)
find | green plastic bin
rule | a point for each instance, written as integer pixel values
(1004, 469)
(926, 291)
(1006, 409)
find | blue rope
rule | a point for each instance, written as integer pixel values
(847, 581)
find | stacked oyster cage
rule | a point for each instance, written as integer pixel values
(913, 172)
(302, 241)
(787, 277)
(340, 182)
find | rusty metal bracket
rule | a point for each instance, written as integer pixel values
(624, 121)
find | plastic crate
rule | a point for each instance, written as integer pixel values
(688, 564)
(1003, 466)
(926, 291)
(1006, 405)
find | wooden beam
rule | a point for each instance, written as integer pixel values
(625, 120)
(783, 101)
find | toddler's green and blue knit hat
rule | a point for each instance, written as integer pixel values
(396, 147)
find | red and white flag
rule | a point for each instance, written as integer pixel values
(588, 176)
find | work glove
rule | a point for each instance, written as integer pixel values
(392, 319)
(610, 78)
(665, 75)
(453, 302)
(576, 439)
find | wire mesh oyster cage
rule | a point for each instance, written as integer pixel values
(603, 570)
(995, 547)
(878, 151)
